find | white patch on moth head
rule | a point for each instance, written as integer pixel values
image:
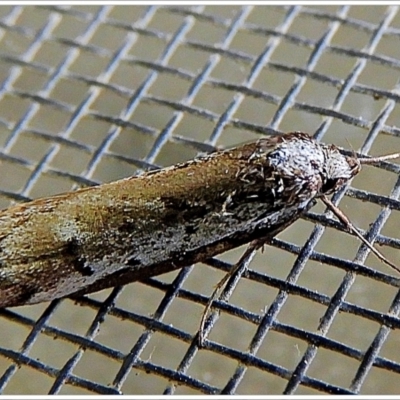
(293, 157)
(339, 166)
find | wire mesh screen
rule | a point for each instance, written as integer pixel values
(92, 94)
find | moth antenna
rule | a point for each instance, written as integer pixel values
(374, 160)
(345, 220)
(352, 148)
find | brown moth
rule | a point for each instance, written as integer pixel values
(134, 228)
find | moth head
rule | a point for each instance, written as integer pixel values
(338, 170)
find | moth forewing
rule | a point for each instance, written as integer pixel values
(138, 227)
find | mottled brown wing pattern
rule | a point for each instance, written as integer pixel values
(142, 226)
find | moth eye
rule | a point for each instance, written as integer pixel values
(329, 185)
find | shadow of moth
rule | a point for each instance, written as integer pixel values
(134, 228)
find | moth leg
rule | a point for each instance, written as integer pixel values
(225, 286)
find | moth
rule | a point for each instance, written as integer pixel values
(141, 226)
